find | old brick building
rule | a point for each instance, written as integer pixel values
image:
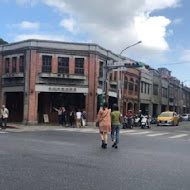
(37, 75)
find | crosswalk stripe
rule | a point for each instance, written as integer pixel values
(129, 131)
(157, 134)
(3, 132)
(139, 133)
(88, 131)
(79, 130)
(178, 136)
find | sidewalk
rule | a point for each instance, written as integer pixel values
(42, 127)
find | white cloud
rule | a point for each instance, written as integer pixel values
(29, 25)
(68, 24)
(31, 2)
(122, 23)
(25, 25)
(152, 31)
(115, 25)
(40, 37)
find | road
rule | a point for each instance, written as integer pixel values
(71, 160)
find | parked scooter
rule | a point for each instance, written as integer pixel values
(136, 121)
(145, 121)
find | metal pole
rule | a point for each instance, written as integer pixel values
(104, 81)
(119, 78)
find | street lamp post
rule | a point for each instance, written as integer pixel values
(119, 76)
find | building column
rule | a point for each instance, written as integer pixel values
(17, 64)
(30, 96)
(150, 108)
(91, 98)
(10, 65)
(71, 65)
(54, 64)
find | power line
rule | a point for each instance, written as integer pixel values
(178, 63)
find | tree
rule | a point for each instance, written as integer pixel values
(2, 42)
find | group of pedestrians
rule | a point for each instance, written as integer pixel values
(73, 117)
(109, 121)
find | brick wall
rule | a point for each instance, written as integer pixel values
(91, 97)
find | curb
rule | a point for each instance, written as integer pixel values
(11, 127)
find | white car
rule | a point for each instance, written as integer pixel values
(186, 117)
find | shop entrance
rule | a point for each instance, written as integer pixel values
(14, 103)
(48, 101)
(112, 101)
(145, 109)
(163, 108)
(155, 110)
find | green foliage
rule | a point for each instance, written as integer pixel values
(2, 42)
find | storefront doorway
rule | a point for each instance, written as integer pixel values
(14, 103)
(48, 101)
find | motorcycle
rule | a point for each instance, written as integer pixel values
(128, 123)
(145, 122)
(136, 121)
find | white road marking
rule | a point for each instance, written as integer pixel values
(79, 130)
(178, 136)
(3, 132)
(129, 131)
(88, 131)
(157, 134)
(140, 133)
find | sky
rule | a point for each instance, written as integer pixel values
(161, 25)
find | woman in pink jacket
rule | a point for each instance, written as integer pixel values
(104, 119)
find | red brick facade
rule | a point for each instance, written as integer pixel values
(40, 91)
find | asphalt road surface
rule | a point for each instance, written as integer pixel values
(59, 160)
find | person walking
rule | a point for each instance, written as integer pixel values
(59, 111)
(84, 118)
(4, 117)
(63, 118)
(78, 118)
(72, 118)
(104, 120)
(115, 125)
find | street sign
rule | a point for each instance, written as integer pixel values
(120, 69)
(111, 63)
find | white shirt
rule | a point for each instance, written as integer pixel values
(5, 113)
(78, 115)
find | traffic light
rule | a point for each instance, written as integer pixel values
(101, 99)
(134, 65)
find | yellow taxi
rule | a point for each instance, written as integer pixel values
(168, 118)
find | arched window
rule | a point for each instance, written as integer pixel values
(136, 86)
(131, 84)
(125, 83)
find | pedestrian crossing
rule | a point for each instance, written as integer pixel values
(3, 132)
(138, 132)
(183, 135)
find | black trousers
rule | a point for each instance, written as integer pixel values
(60, 119)
(4, 123)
